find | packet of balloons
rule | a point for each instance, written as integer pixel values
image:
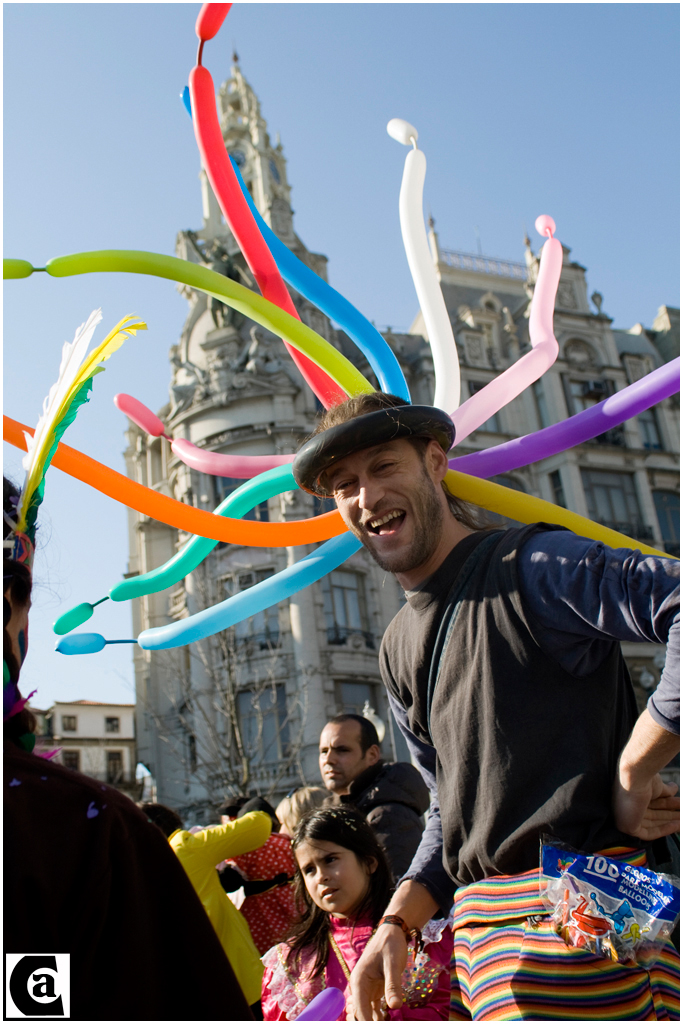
(607, 907)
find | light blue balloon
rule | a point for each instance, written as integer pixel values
(276, 588)
(247, 496)
(81, 643)
(185, 97)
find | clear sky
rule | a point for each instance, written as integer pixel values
(522, 109)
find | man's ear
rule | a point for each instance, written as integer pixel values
(373, 754)
(437, 461)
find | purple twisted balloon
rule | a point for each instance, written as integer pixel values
(646, 392)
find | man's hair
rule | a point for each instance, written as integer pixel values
(166, 819)
(257, 803)
(470, 516)
(368, 733)
(231, 806)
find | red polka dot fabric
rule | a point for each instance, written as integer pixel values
(270, 915)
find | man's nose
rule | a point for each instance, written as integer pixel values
(369, 494)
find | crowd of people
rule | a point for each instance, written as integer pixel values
(412, 888)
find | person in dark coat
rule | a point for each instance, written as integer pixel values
(392, 797)
(87, 874)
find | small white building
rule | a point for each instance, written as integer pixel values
(97, 739)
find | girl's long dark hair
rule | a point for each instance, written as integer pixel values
(345, 827)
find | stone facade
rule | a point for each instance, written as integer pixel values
(243, 711)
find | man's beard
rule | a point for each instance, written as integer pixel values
(428, 516)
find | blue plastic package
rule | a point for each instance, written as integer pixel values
(608, 907)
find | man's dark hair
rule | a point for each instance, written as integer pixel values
(257, 803)
(368, 733)
(231, 806)
(166, 819)
(469, 515)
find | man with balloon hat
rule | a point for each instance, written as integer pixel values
(505, 674)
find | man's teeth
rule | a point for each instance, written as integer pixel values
(376, 523)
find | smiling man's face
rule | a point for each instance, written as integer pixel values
(391, 499)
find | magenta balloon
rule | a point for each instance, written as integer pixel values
(327, 1005)
(140, 415)
(629, 402)
(243, 467)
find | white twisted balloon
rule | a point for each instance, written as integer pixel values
(423, 272)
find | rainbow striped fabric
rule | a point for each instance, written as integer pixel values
(509, 964)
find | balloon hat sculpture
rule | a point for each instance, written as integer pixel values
(333, 379)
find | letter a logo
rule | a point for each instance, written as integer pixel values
(36, 985)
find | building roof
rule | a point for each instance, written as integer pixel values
(96, 703)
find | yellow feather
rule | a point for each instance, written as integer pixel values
(129, 325)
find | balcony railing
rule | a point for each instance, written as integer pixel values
(483, 264)
(266, 641)
(338, 635)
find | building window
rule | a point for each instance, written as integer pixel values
(351, 697)
(264, 724)
(192, 751)
(72, 759)
(541, 404)
(612, 501)
(114, 767)
(558, 489)
(264, 627)
(68, 723)
(584, 394)
(668, 506)
(345, 608)
(649, 431)
(111, 724)
(225, 485)
(492, 425)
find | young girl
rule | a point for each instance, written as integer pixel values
(344, 884)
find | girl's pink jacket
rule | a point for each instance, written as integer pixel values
(286, 991)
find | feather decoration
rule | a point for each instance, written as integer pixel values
(66, 396)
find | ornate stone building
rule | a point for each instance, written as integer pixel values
(244, 710)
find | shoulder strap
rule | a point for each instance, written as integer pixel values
(483, 545)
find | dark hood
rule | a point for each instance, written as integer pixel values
(398, 783)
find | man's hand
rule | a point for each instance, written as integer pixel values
(650, 812)
(378, 972)
(644, 805)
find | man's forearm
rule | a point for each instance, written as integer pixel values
(414, 903)
(649, 749)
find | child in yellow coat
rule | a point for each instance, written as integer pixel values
(199, 853)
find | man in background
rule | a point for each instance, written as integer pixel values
(392, 797)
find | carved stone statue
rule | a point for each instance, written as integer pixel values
(262, 356)
(189, 383)
(217, 259)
